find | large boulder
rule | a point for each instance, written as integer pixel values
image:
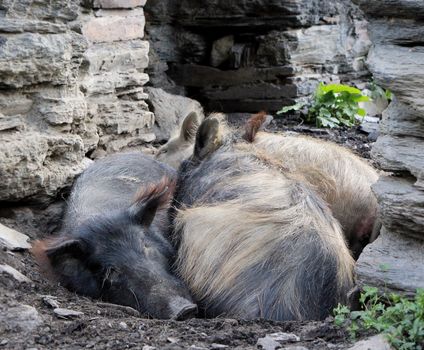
(170, 110)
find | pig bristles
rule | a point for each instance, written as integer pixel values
(253, 125)
(163, 190)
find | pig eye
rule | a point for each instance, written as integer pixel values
(111, 275)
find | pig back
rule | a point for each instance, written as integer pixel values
(111, 184)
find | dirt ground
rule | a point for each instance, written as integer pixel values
(106, 326)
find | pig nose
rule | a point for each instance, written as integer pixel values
(187, 312)
(182, 309)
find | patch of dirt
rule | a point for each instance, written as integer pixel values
(105, 326)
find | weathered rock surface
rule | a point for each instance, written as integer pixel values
(23, 318)
(67, 313)
(12, 272)
(32, 58)
(12, 239)
(400, 69)
(253, 55)
(115, 26)
(395, 261)
(275, 340)
(392, 263)
(393, 8)
(401, 154)
(400, 119)
(401, 205)
(376, 342)
(71, 79)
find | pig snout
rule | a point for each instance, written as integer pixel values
(169, 298)
(182, 309)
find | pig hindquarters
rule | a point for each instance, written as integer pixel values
(254, 241)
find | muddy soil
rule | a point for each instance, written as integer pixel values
(106, 326)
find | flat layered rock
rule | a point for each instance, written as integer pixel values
(116, 26)
(400, 69)
(392, 8)
(67, 313)
(118, 57)
(393, 263)
(12, 239)
(398, 31)
(21, 25)
(252, 91)
(402, 120)
(15, 274)
(377, 342)
(401, 206)
(170, 110)
(401, 154)
(33, 58)
(201, 76)
(20, 317)
(32, 163)
(118, 4)
(47, 10)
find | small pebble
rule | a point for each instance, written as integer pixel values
(9, 270)
(173, 340)
(123, 325)
(67, 313)
(50, 301)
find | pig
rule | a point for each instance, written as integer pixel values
(252, 240)
(180, 146)
(113, 243)
(343, 179)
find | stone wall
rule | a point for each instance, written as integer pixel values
(71, 87)
(396, 260)
(241, 56)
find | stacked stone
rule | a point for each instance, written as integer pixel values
(71, 82)
(395, 262)
(252, 55)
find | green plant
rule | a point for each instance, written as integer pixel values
(400, 319)
(378, 92)
(333, 105)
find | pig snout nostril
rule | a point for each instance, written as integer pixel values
(187, 312)
(182, 309)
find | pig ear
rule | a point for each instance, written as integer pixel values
(209, 137)
(147, 202)
(189, 127)
(70, 246)
(48, 252)
(255, 123)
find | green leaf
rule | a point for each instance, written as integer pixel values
(294, 107)
(361, 112)
(337, 88)
(362, 98)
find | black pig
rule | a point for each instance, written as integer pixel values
(112, 243)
